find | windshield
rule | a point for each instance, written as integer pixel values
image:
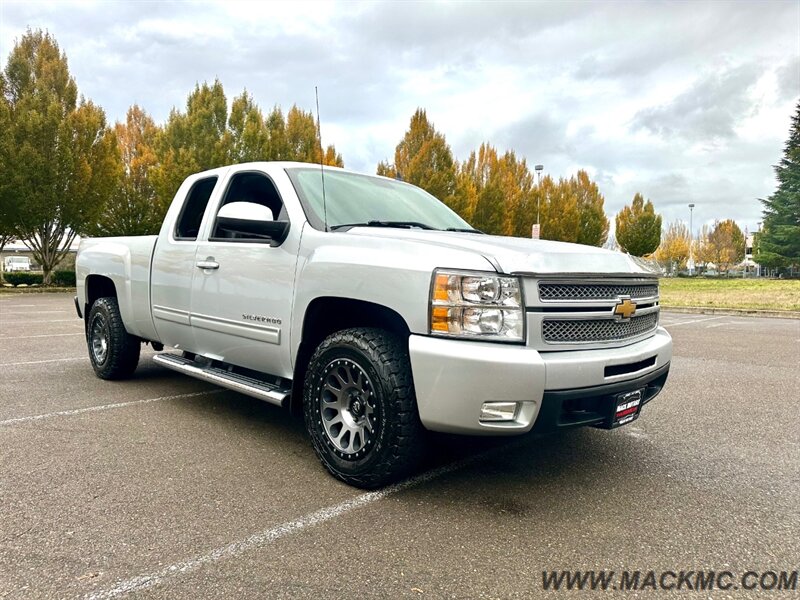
(351, 198)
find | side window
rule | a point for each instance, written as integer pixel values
(192, 214)
(251, 187)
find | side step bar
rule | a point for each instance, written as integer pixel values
(233, 381)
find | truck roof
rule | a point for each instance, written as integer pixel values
(274, 164)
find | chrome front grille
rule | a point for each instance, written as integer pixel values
(579, 312)
(578, 331)
(582, 292)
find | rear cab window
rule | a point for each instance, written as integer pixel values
(188, 225)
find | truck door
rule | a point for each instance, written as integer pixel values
(173, 263)
(242, 286)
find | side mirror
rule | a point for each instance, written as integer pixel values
(251, 220)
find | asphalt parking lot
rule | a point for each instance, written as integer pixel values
(165, 487)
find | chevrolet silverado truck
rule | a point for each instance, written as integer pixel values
(370, 307)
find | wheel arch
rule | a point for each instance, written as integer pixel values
(328, 314)
(98, 286)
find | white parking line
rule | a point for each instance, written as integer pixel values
(718, 325)
(26, 337)
(78, 411)
(268, 536)
(39, 362)
(693, 321)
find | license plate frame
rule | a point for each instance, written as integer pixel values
(627, 407)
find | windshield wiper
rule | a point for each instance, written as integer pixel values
(399, 224)
(465, 230)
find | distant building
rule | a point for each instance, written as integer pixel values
(748, 263)
(17, 249)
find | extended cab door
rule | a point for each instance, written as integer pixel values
(242, 286)
(174, 260)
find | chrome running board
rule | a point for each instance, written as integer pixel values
(249, 386)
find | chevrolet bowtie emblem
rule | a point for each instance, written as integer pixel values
(625, 308)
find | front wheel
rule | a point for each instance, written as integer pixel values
(113, 351)
(360, 408)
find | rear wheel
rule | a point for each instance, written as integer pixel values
(360, 409)
(113, 351)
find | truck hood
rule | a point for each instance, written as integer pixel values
(521, 255)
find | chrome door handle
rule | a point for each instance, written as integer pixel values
(207, 264)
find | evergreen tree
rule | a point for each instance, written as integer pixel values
(779, 240)
(638, 227)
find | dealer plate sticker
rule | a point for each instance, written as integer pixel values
(628, 407)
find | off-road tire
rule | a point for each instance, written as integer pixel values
(121, 354)
(399, 437)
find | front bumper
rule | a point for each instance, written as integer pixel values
(453, 379)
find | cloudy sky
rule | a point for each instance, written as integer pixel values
(682, 101)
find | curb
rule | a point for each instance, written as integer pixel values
(735, 312)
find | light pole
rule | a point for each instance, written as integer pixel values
(538, 169)
(691, 240)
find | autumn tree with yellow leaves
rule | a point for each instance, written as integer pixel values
(133, 208)
(9, 209)
(593, 226)
(722, 244)
(204, 136)
(492, 205)
(496, 192)
(60, 160)
(424, 159)
(673, 253)
(638, 227)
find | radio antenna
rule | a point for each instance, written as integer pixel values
(321, 159)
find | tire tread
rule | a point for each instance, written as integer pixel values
(124, 348)
(390, 359)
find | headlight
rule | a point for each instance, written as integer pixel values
(477, 305)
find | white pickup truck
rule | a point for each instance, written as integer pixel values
(369, 306)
